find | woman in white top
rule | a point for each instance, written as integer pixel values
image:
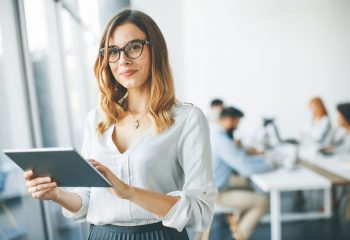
(340, 140)
(155, 151)
(320, 125)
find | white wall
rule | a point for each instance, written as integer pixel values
(266, 57)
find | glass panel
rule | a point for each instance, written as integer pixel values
(80, 44)
(20, 216)
(40, 51)
(1, 51)
(89, 14)
(74, 72)
(48, 73)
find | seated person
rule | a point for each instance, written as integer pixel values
(320, 124)
(216, 105)
(344, 123)
(340, 139)
(344, 145)
(227, 157)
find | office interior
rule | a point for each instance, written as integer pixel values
(267, 58)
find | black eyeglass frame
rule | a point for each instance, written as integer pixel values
(143, 42)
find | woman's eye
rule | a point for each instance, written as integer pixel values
(113, 51)
(135, 47)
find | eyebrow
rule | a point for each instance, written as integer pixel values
(136, 39)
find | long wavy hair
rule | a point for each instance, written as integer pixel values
(112, 94)
(319, 109)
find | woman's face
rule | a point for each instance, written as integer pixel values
(341, 120)
(130, 73)
(314, 109)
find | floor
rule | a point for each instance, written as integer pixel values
(335, 228)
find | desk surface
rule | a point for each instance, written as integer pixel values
(299, 178)
(338, 165)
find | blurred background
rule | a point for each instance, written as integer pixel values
(269, 58)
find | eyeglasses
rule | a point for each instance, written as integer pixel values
(132, 50)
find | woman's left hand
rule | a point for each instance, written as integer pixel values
(118, 188)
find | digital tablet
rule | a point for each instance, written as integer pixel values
(63, 165)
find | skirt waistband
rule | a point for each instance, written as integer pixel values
(137, 228)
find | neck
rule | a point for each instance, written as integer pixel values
(138, 99)
(318, 117)
(347, 127)
(222, 124)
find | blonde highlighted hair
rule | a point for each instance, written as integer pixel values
(162, 92)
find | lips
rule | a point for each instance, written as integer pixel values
(128, 73)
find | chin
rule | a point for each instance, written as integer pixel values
(130, 85)
(133, 83)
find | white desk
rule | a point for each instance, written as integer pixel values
(291, 180)
(337, 164)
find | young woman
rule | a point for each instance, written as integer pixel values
(341, 138)
(155, 151)
(320, 125)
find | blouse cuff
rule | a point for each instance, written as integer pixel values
(192, 210)
(176, 216)
(80, 215)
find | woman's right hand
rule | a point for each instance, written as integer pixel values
(42, 188)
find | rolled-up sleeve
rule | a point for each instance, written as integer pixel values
(194, 209)
(80, 215)
(83, 192)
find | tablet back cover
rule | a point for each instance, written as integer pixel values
(66, 167)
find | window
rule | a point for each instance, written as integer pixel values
(42, 56)
(79, 52)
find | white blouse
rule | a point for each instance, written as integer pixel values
(175, 162)
(320, 129)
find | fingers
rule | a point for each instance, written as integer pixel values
(105, 171)
(28, 175)
(41, 193)
(38, 186)
(41, 187)
(98, 165)
(101, 168)
(37, 181)
(95, 163)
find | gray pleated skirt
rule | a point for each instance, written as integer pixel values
(155, 231)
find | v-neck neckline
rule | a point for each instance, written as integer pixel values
(131, 148)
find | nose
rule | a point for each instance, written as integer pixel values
(123, 59)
